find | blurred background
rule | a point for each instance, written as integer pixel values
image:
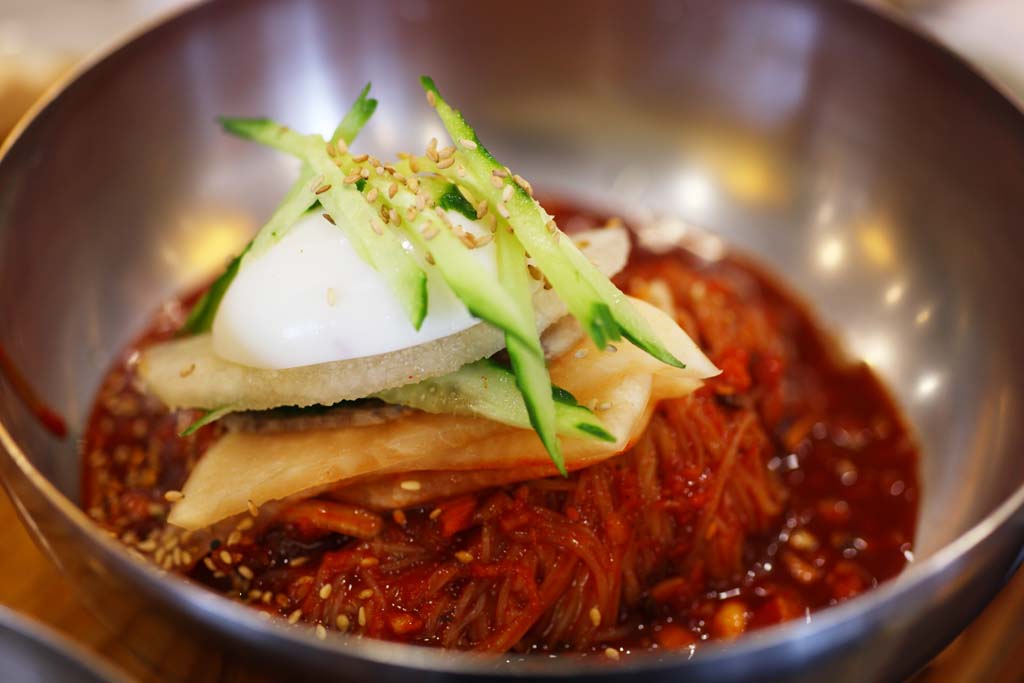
(42, 40)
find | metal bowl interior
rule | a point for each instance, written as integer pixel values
(872, 170)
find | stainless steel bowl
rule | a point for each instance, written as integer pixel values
(878, 174)
(32, 653)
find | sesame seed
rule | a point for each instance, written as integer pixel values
(595, 616)
(582, 353)
(332, 296)
(321, 632)
(342, 622)
(421, 201)
(360, 158)
(234, 537)
(429, 232)
(534, 271)
(611, 348)
(506, 194)
(497, 181)
(209, 564)
(371, 196)
(431, 98)
(245, 572)
(331, 150)
(446, 163)
(399, 517)
(327, 217)
(394, 216)
(429, 258)
(464, 556)
(460, 171)
(611, 653)
(255, 594)
(341, 146)
(225, 557)
(185, 372)
(447, 152)
(369, 562)
(481, 209)
(173, 496)
(435, 513)
(147, 546)
(521, 182)
(186, 557)
(499, 173)
(294, 617)
(411, 213)
(376, 226)
(378, 169)
(362, 616)
(325, 591)
(467, 143)
(253, 508)
(392, 190)
(351, 177)
(298, 561)
(322, 189)
(503, 210)
(267, 597)
(245, 524)
(364, 173)
(604, 405)
(484, 239)
(414, 165)
(365, 594)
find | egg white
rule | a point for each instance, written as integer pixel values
(310, 299)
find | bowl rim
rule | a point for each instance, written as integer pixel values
(243, 623)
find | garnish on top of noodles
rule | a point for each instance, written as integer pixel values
(398, 282)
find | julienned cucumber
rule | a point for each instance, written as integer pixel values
(529, 223)
(531, 373)
(489, 390)
(380, 248)
(298, 201)
(595, 302)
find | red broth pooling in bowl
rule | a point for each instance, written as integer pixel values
(785, 485)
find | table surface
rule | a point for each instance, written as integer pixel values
(989, 650)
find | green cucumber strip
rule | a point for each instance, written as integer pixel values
(633, 326)
(489, 390)
(383, 251)
(530, 370)
(452, 200)
(301, 198)
(351, 213)
(577, 281)
(355, 118)
(209, 417)
(200, 318)
(529, 222)
(478, 289)
(298, 201)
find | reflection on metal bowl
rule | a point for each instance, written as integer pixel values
(872, 169)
